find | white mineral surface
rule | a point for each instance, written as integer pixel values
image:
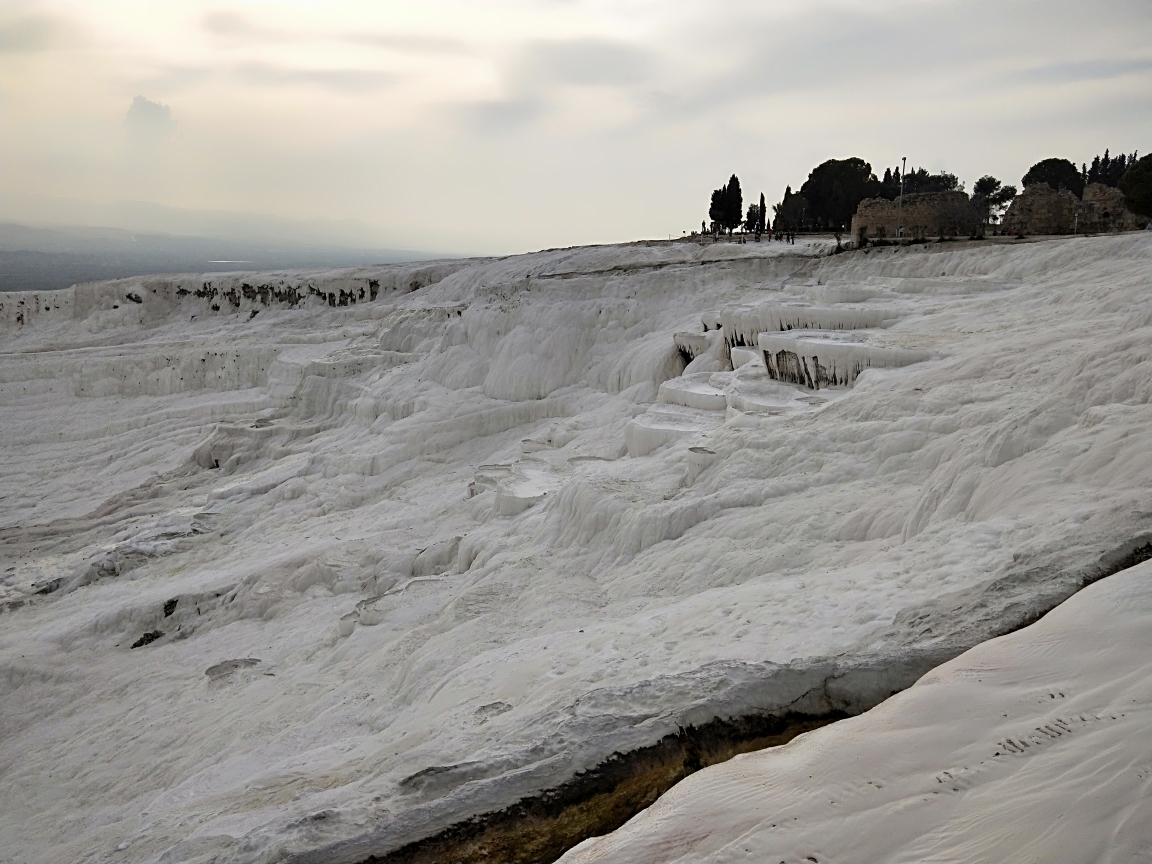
(1029, 747)
(401, 545)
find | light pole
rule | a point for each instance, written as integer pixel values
(900, 201)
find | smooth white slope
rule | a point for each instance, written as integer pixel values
(427, 654)
(1033, 747)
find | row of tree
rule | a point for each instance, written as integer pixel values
(1063, 174)
(831, 194)
(834, 189)
(1132, 176)
(1107, 170)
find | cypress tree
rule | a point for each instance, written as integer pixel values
(727, 206)
(1094, 171)
(735, 204)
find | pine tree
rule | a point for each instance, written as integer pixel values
(989, 196)
(1058, 174)
(835, 188)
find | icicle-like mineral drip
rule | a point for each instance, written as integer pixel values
(817, 363)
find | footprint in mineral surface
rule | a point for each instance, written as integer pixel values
(486, 712)
(226, 669)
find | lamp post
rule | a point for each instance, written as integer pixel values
(900, 201)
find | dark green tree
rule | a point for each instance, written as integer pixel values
(763, 215)
(920, 180)
(1057, 173)
(752, 220)
(1108, 169)
(727, 206)
(890, 185)
(716, 208)
(835, 189)
(989, 196)
(735, 203)
(1136, 184)
(791, 213)
(986, 186)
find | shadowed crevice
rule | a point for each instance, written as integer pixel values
(544, 827)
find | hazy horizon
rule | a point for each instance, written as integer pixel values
(493, 127)
(49, 258)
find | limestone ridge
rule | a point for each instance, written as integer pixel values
(157, 297)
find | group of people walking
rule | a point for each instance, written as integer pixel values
(778, 236)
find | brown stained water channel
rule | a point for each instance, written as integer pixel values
(540, 829)
(543, 828)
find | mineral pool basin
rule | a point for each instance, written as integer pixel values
(821, 359)
(523, 487)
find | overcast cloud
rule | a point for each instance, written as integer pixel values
(506, 125)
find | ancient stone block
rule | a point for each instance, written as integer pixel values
(1110, 212)
(1042, 210)
(920, 215)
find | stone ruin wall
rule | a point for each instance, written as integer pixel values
(1040, 209)
(1110, 211)
(923, 214)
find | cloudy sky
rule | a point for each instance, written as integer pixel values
(492, 126)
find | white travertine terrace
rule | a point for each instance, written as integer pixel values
(392, 563)
(1030, 747)
(829, 362)
(743, 325)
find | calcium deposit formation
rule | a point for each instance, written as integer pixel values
(473, 559)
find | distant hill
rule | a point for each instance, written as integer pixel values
(43, 258)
